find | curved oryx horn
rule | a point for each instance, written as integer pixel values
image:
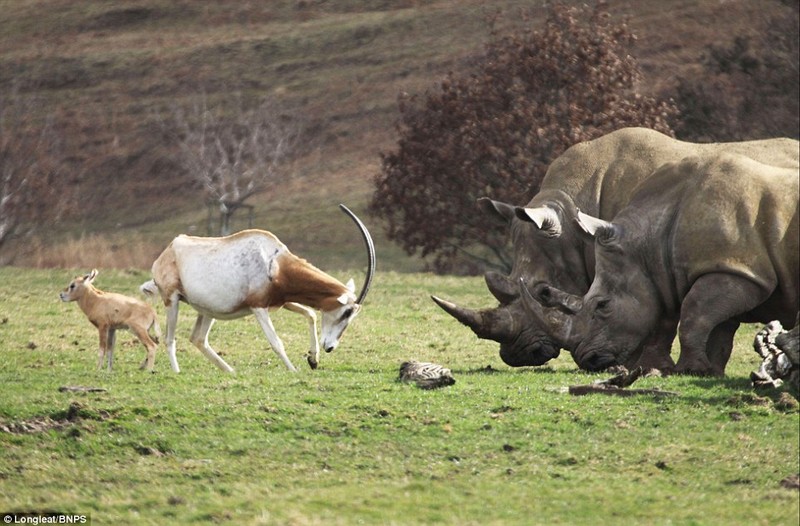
(370, 253)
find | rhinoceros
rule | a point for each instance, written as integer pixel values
(709, 241)
(598, 177)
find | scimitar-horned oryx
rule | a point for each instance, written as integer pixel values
(252, 272)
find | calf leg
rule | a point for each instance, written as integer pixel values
(101, 351)
(172, 323)
(311, 316)
(112, 339)
(200, 340)
(262, 315)
(706, 326)
(149, 345)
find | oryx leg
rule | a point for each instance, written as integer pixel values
(262, 315)
(199, 338)
(172, 324)
(311, 316)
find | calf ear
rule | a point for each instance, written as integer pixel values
(545, 218)
(88, 278)
(501, 212)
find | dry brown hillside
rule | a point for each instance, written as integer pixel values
(109, 69)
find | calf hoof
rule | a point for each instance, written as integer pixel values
(312, 362)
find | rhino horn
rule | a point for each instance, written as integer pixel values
(501, 287)
(491, 324)
(555, 322)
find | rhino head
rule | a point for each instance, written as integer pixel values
(547, 249)
(611, 322)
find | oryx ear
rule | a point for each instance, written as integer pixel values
(351, 285)
(344, 298)
(545, 218)
(88, 278)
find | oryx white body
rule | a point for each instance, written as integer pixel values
(218, 276)
(251, 272)
(108, 312)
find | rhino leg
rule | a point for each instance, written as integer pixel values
(713, 301)
(720, 346)
(658, 347)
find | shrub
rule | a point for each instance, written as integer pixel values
(749, 87)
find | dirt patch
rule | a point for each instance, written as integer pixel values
(59, 420)
(791, 482)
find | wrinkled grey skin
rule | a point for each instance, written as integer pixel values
(598, 177)
(709, 242)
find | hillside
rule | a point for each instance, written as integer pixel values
(112, 69)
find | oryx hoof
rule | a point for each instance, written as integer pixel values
(312, 362)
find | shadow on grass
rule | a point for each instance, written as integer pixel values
(517, 370)
(739, 391)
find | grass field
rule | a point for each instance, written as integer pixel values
(348, 444)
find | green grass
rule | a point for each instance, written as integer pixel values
(348, 444)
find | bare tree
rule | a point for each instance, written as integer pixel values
(236, 152)
(32, 175)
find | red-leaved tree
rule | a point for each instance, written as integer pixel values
(493, 129)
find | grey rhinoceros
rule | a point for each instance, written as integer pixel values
(710, 241)
(598, 177)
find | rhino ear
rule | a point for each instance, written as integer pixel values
(589, 224)
(501, 212)
(603, 231)
(545, 218)
(501, 287)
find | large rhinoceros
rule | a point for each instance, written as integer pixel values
(598, 177)
(710, 241)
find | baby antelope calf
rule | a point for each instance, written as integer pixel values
(108, 312)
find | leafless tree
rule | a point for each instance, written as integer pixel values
(233, 151)
(33, 182)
